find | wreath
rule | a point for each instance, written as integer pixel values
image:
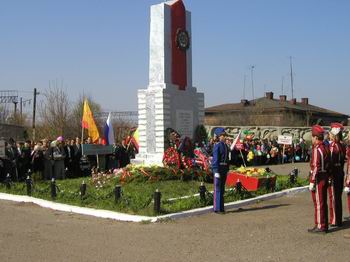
(171, 158)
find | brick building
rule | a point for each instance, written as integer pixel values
(268, 111)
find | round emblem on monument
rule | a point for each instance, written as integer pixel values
(182, 39)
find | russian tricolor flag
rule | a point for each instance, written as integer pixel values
(108, 131)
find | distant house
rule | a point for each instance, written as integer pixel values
(267, 111)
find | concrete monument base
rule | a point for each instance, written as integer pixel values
(162, 107)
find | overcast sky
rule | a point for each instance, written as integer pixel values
(101, 48)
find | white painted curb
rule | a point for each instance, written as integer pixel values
(75, 209)
(134, 218)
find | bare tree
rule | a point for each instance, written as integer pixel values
(4, 114)
(55, 114)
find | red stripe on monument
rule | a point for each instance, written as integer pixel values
(178, 62)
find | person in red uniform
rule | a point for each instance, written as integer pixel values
(320, 162)
(335, 189)
(347, 180)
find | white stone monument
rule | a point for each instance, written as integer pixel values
(170, 100)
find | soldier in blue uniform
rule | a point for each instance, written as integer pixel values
(220, 166)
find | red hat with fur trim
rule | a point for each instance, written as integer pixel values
(336, 128)
(317, 130)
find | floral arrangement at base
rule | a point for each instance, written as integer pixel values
(251, 171)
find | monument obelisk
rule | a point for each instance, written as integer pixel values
(170, 100)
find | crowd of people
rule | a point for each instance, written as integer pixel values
(255, 152)
(59, 159)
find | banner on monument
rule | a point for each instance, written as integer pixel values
(285, 140)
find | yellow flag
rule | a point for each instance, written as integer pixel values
(88, 123)
(137, 138)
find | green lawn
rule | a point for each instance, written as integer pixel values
(137, 196)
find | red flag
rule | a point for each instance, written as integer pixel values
(237, 142)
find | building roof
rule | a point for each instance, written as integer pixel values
(269, 103)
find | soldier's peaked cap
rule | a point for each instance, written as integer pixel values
(317, 130)
(336, 128)
(219, 131)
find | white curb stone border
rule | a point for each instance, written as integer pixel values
(134, 218)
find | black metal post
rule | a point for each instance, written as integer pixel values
(8, 181)
(117, 193)
(82, 189)
(268, 182)
(157, 196)
(293, 176)
(239, 187)
(53, 189)
(202, 191)
(296, 172)
(29, 185)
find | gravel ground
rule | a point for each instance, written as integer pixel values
(274, 230)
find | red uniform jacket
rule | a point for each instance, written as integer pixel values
(338, 152)
(348, 166)
(320, 162)
(348, 159)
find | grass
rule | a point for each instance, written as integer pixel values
(137, 197)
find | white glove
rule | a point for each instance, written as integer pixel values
(217, 175)
(312, 187)
(346, 189)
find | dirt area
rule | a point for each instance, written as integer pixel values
(274, 230)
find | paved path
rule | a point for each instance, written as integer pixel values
(274, 230)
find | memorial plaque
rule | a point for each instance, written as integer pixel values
(184, 122)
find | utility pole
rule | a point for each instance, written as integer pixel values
(251, 75)
(21, 108)
(15, 103)
(291, 76)
(245, 78)
(34, 111)
(282, 85)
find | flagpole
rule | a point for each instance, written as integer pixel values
(82, 139)
(82, 131)
(242, 158)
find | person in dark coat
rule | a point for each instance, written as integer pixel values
(68, 161)
(12, 158)
(123, 155)
(24, 160)
(48, 160)
(76, 158)
(220, 166)
(38, 159)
